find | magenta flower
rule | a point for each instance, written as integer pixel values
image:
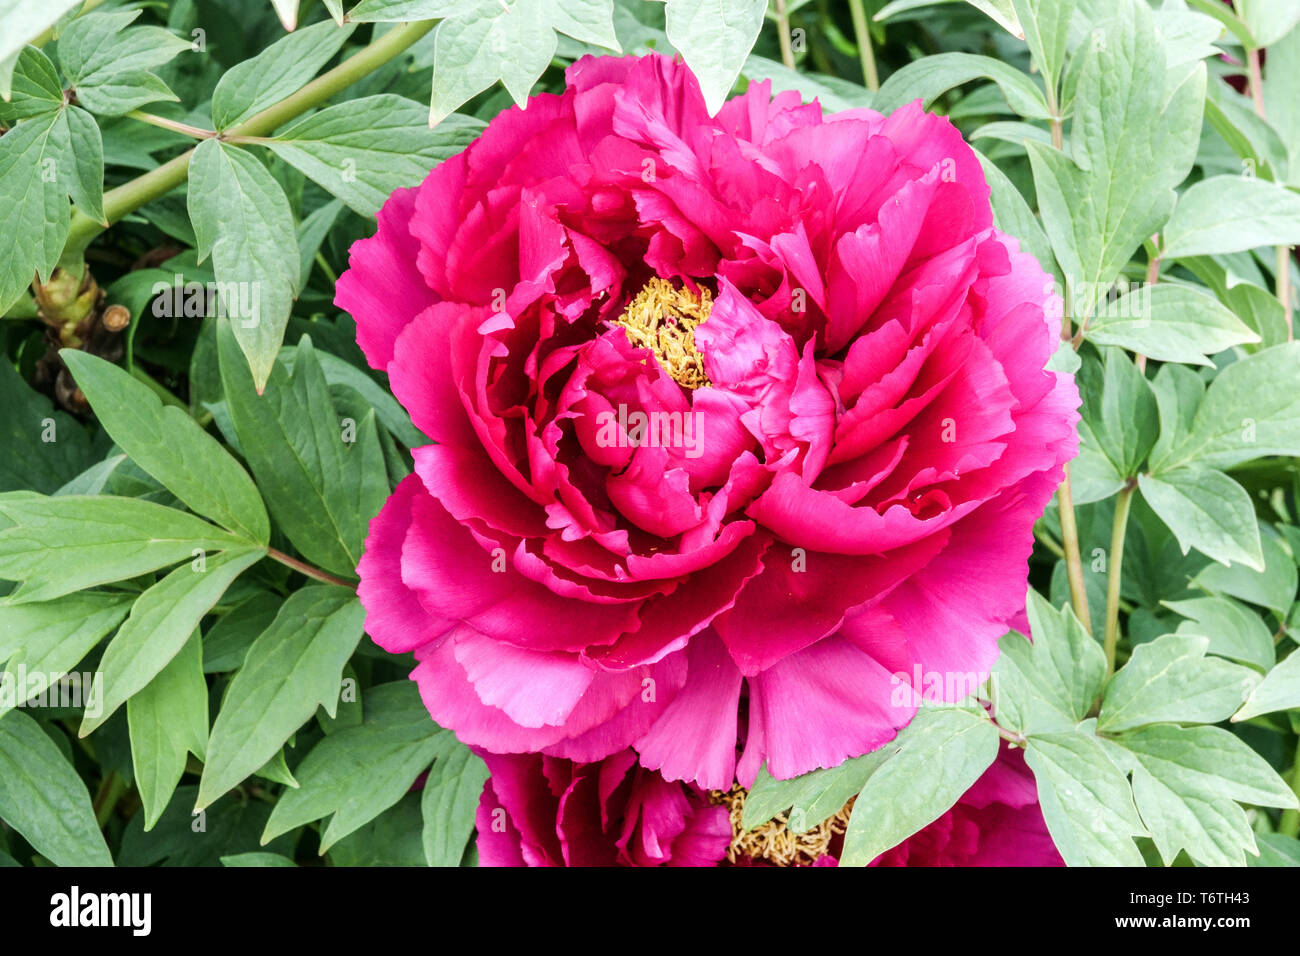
(544, 811)
(739, 423)
(997, 822)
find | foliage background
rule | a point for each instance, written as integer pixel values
(195, 543)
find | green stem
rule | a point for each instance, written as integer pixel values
(1115, 573)
(304, 568)
(1284, 286)
(783, 35)
(1073, 558)
(325, 267)
(1046, 541)
(863, 33)
(1255, 81)
(111, 789)
(158, 182)
(1153, 276)
(165, 396)
(185, 129)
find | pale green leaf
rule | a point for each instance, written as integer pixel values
(59, 545)
(161, 621)
(931, 763)
(295, 666)
(1171, 680)
(1208, 511)
(168, 719)
(241, 217)
(43, 798)
(170, 446)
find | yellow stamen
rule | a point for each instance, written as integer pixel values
(663, 318)
(774, 841)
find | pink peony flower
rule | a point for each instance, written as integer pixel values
(997, 822)
(545, 811)
(740, 424)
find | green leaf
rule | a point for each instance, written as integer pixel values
(1276, 849)
(362, 150)
(1086, 800)
(1185, 781)
(1172, 323)
(43, 448)
(1234, 631)
(59, 545)
(83, 150)
(358, 773)
(279, 70)
(1133, 138)
(387, 409)
(1092, 475)
(714, 37)
(257, 859)
(449, 803)
(295, 666)
(168, 719)
(42, 797)
(1170, 680)
(1282, 97)
(1279, 690)
(930, 77)
(1275, 588)
(1012, 215)
(812, 797)
(1230, 214)
(931, 763)
(123, 92)
(1251, 409)
(394, 838)
(36, 205)
(1208, 511)
(103, 44)
(834, 93)
(182, 838)
(588, 21)
(1187, 36)
(36, 87)
(170, 446)
(226, 642)
(1046, 25)
(1268, 20)
(487, 42)
(321, 490)
(1050, 684)
(24, 21)
(1247, 134)
(241, 217)
(1178, 392)
(160, 623)
(398, 11)
(52, 637)
(1119, 408)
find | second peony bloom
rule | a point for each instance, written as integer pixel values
(740, 425)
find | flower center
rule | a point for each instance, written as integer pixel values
(663, 318)
(775, 842)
